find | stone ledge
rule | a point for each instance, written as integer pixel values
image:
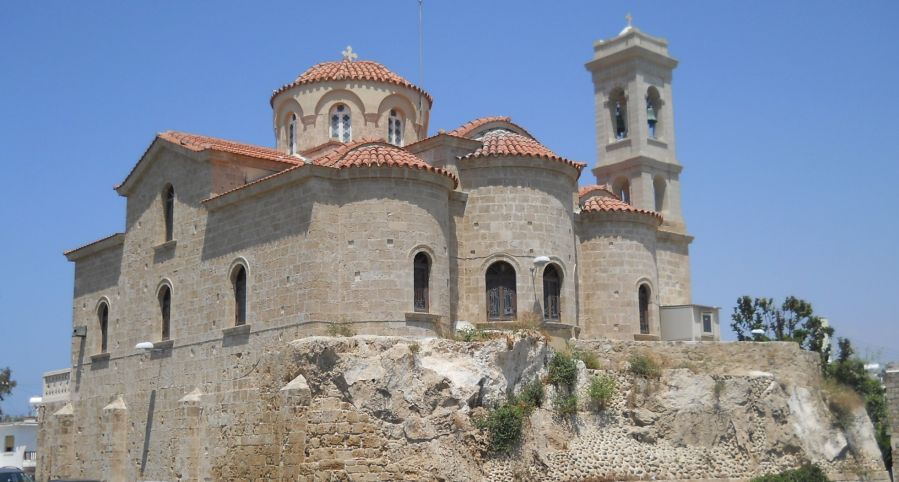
(164, 345)
(646, 337)
(236, 330)
(656, 142)
(421, 316)
(618, 144)
(170, 244)
(100, 357)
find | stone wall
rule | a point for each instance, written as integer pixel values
(385, 408)
(517, 209)
(616, 254)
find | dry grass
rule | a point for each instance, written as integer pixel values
(842, 401)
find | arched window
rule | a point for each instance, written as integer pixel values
(103, 321)
(292, 135)
(239, 281)
(618, 110)
(422, 274)
(165, 310)
(552, 293)
(341, 127)
(395, 128)
(653, 105)
(168, 214)
(644, 309)
(501, 299)
(622, 189)
(658, 185)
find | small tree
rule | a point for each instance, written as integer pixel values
(6, 384)
(794, 320)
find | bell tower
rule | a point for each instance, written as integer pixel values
(636, 144)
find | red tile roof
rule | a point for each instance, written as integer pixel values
(377, 153)
(199, 143)
(593, 187)
(504, 143)
(351, 70)
(613, 204)
(472, 126)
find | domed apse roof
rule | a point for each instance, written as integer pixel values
(606, 201)
(377, 153)
(471, 127)
(505, 143)
(347, 69)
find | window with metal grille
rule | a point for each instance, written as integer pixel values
(501, 299)
(165, 310)
(552, 293)
(422, 274)
(644, 309)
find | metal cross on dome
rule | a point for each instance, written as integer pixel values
(630, 19)
(348, 54)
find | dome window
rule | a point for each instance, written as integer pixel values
(292, 135)
(395, 128)
(341, 127)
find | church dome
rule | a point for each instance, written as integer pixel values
(347, 69)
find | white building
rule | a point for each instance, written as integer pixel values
(19, 444)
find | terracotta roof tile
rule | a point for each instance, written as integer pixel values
(613, 204)
(351, 70)
(593, 187)
(200, 143)
(377, 153)
(466, 128)
(505, 143)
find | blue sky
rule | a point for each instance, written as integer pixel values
(785, 115)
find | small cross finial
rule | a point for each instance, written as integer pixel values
(348, 54)
(630, 19)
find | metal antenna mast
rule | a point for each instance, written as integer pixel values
(421, 54)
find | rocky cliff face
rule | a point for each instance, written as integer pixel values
(386, 408)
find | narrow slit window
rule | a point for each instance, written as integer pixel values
(168, 197)
(644, 309)
(103, 321)
(165, 311)
(422, 274)
(292, 135)
(240, 295)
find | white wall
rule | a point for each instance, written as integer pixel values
(25, 440)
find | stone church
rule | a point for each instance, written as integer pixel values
(359, 218)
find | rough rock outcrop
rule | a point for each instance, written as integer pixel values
(387, 408)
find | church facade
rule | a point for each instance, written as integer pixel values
(358, 219)
(358, 216)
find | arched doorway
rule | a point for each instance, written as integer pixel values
(501, 298)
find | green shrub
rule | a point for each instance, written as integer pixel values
(504, 424)
(565, 404)
(563, 370)
(806, 473)
(532, 394)
(601, 390)
(473, 334)
(644, 366)
(589, 358)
